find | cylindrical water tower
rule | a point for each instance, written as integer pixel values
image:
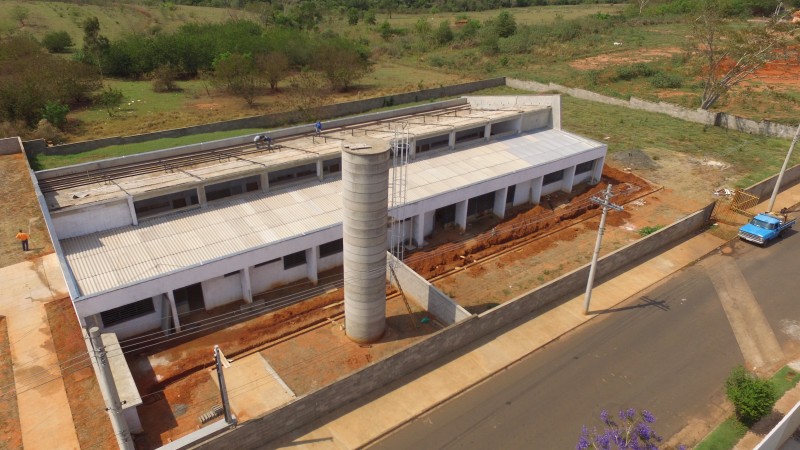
(365, 194)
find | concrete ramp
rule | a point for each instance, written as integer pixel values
(254, 388)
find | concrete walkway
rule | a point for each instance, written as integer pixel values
(44, 413)
(355, 426)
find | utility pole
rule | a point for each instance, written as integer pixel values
(109, 390)
(223, 391)
(606, 204)
(783, 169)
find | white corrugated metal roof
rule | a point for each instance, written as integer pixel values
(109, 259)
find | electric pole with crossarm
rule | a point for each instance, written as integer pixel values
(606, 204)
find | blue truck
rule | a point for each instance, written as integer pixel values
(765, 227)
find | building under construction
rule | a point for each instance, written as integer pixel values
(145, 239)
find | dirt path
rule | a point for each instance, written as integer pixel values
(19, 210)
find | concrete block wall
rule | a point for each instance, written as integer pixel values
(274, 120)
(719, 119)
(763, 190)
(427, 295)
(256, 433)
(9, 146)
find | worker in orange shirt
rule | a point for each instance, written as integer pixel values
(22, 236)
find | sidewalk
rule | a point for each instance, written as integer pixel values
(366, 423)
(44, 413)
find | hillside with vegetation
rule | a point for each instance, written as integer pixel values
(77, 71)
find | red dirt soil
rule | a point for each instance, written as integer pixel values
(92, 424)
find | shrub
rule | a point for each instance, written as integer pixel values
(633, 71)
(752, 397)
(663, 80)
(45, 130)
(55, 113)
(163, 78)
(57, 42)
(648, 230)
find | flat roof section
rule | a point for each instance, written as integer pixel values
(229, 163)
(110, 259)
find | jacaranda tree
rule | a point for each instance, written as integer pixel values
(631, 430)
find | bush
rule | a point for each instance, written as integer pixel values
(752, 397)
(57, 42)
(663, 80)
(633, 71)
(163, 78)
(55, 113)
(648, 230)
(46, 131)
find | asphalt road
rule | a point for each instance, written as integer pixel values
(668, 351)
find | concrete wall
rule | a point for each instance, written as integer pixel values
(719, 119)
(9, 146)
(782, 432)
(277, 119)
(763, 189)
(221, 290)
(510, 101)
(255, 433)
(427, 295)
(87, 220)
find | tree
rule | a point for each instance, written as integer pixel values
(342, 62)
(237, 74)
(505, 25)
(352, 16)
(95, 45)
(444, 34)
(57, 41)
(274, 67)
(752, 397)
(632, 431)
(110, 98)
(307, 93)
(733, 55)
(163, 78)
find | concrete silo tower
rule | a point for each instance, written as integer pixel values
(365, 193)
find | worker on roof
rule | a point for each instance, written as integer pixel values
(257, 140)
(318, 127)
(23, 237)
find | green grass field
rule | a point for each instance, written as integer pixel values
(116, 20)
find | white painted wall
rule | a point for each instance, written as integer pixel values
(330, 262)
(138, 325)
(222, 290)
(263, 278)
(90, 219)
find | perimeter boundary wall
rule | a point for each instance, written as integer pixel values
(257, 432)
(9, 146)
(273, 120)
(710, 118)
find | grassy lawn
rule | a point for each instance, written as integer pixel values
(728, 433)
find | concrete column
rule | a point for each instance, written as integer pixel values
(461, 214)
(201, 196)
(419, 230)
(412, 145)
(597, 170)
(522, 193)
(166, 312)
(487, 131)
(265, 182)
(519, 125)
(320, 173)
(536, 190)
(451, 141)
(312, 261)
(247, 289)
(174, 309)
(134, 219)
(569, 179)
(499, 208)
(109, 391)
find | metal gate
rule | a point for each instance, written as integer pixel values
(732, 209)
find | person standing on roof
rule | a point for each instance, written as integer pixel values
(268, 141)
(257, 141)
(22, 236)
(318, 127)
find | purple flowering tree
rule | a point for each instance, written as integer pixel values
(631, 431)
